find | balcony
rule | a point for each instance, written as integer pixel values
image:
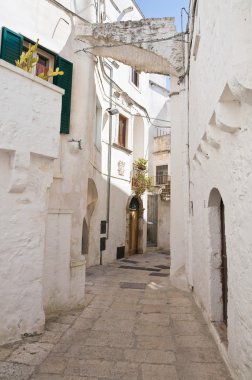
(163, 186)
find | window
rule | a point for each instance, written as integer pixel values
(46, 61)
(161, 175)
(122, 132)
(12, 45)
(135, 77)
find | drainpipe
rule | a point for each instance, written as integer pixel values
(109, 145)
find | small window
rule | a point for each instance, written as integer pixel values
(122, 132)
(135, 77)
(12, 45)
(45, 61)
(161, 175)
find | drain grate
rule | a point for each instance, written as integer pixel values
(132, 285)
(159, 274)
(139, 268)
(162, 266)
(129, 261)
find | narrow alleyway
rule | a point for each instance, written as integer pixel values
(135, 326)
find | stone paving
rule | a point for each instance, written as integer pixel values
(135, 326)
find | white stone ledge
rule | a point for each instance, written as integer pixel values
(30, 76)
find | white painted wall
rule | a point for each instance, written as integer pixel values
(146, 101)
(220, 117)
(160, 154)
(60, 268)
(29, 123)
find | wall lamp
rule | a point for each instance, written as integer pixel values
(78, 142)
(112, 111)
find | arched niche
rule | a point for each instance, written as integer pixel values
(218, 257)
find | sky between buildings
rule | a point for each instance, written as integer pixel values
(164, 8)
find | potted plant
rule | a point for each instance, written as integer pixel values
(141, 164)
(140, 180)
(28, 60)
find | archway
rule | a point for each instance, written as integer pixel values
(218, 258)
(134, 232)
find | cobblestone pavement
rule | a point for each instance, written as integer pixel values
(135, 326)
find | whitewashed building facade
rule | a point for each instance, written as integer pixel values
(211, 164)
(54, 189)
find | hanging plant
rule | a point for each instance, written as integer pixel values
(141, 164)
(141, 181)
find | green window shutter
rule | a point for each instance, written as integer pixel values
(65, 82)
(11, 45)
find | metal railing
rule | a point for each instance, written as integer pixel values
(162, 179)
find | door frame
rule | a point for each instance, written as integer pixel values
(217, 242)
(140, 225)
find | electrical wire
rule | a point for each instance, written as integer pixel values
(61, 6)
(131, 114)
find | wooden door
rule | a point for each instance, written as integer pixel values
(133, 240)
(133, 226)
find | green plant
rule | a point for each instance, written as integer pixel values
(141, 164)
(28, 60)
(141, 181)
(50, 73)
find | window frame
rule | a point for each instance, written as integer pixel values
(135, 78)
(161, 174)
(122, 136)
(50, 57)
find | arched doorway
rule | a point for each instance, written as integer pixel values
(224, 273)
(134, 234)
(219, 268)
(133, 226)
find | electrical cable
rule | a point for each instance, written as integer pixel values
(118, 104)
(61, 6)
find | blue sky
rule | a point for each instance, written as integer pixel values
(163, 8)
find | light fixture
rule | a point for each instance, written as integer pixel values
(76, 141)
(112, 111)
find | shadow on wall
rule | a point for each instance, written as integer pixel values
(92, 197)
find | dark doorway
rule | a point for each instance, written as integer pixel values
(85, 238)
(152, 220)
(224, 273)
